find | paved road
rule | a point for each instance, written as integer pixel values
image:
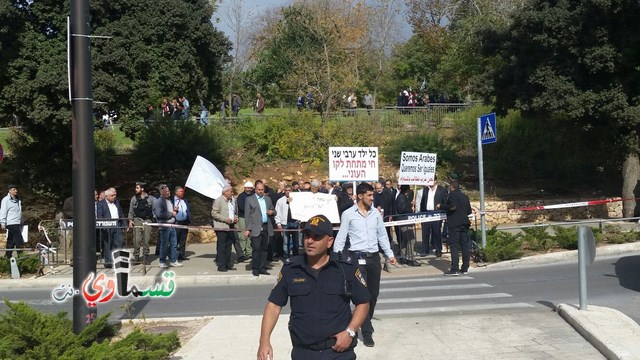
(613, 282)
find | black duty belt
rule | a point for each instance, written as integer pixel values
(363, 254)
(325, 344)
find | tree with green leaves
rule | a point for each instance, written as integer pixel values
(573, 66)
(306, 50)
(156, 48)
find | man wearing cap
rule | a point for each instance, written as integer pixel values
(11, 220)
(434, 197)
(245, 242)
(140, 211)
(362, 223)
(321, 289)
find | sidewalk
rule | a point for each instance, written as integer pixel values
(517, 335)
(507, 335)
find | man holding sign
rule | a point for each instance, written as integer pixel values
(362, 223)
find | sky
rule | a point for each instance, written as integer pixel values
(259, 6)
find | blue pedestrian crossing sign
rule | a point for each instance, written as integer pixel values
(488, 128)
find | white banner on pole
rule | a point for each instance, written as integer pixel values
(205, 178)
(417, 168)
(304, 205)
(353, 163)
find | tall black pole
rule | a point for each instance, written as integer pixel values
(84, 219)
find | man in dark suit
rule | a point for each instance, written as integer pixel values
(258, 212)
(434, 197)
(388, 201)
(112, 238)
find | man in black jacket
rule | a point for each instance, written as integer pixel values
(458, 211)
(432, 196)
(112, 237)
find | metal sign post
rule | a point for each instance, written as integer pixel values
(586, 255)
(84, 252)
(486, 135)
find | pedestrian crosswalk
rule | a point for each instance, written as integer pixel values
(431, 295)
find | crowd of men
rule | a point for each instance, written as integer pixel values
(339, 268)
(278, 236)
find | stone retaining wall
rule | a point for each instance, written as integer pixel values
(497, 214)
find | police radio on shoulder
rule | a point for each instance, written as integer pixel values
(351, 332)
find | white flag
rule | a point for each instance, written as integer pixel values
(205, 178)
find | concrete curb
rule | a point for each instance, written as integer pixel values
(613, 333)
(602, 251)
(52, 282)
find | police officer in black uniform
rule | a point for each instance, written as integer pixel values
(321, 289)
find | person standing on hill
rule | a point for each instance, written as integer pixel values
(259, 104)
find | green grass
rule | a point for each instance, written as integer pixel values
(4, 135)
(124, 145)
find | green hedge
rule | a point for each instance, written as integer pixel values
(28, 334)
(166, 146)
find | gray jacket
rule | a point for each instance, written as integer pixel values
(253, 215)
(11, 211)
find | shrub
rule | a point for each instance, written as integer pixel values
(501, 246)
(27, 264)
(166, 146)
(537, 239)
(466, 129)
(301, 136)
(566, 238)
(29, 334)
(618, 237)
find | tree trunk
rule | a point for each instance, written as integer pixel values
(630, 177)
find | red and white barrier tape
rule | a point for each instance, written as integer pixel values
(562, 206)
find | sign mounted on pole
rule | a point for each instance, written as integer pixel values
(353, 164)
(488, 132)
(417, 168)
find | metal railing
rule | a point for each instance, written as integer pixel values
(58, 235)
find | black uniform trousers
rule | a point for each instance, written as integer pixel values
(371, 272)
(14, 239)
(260, 245)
